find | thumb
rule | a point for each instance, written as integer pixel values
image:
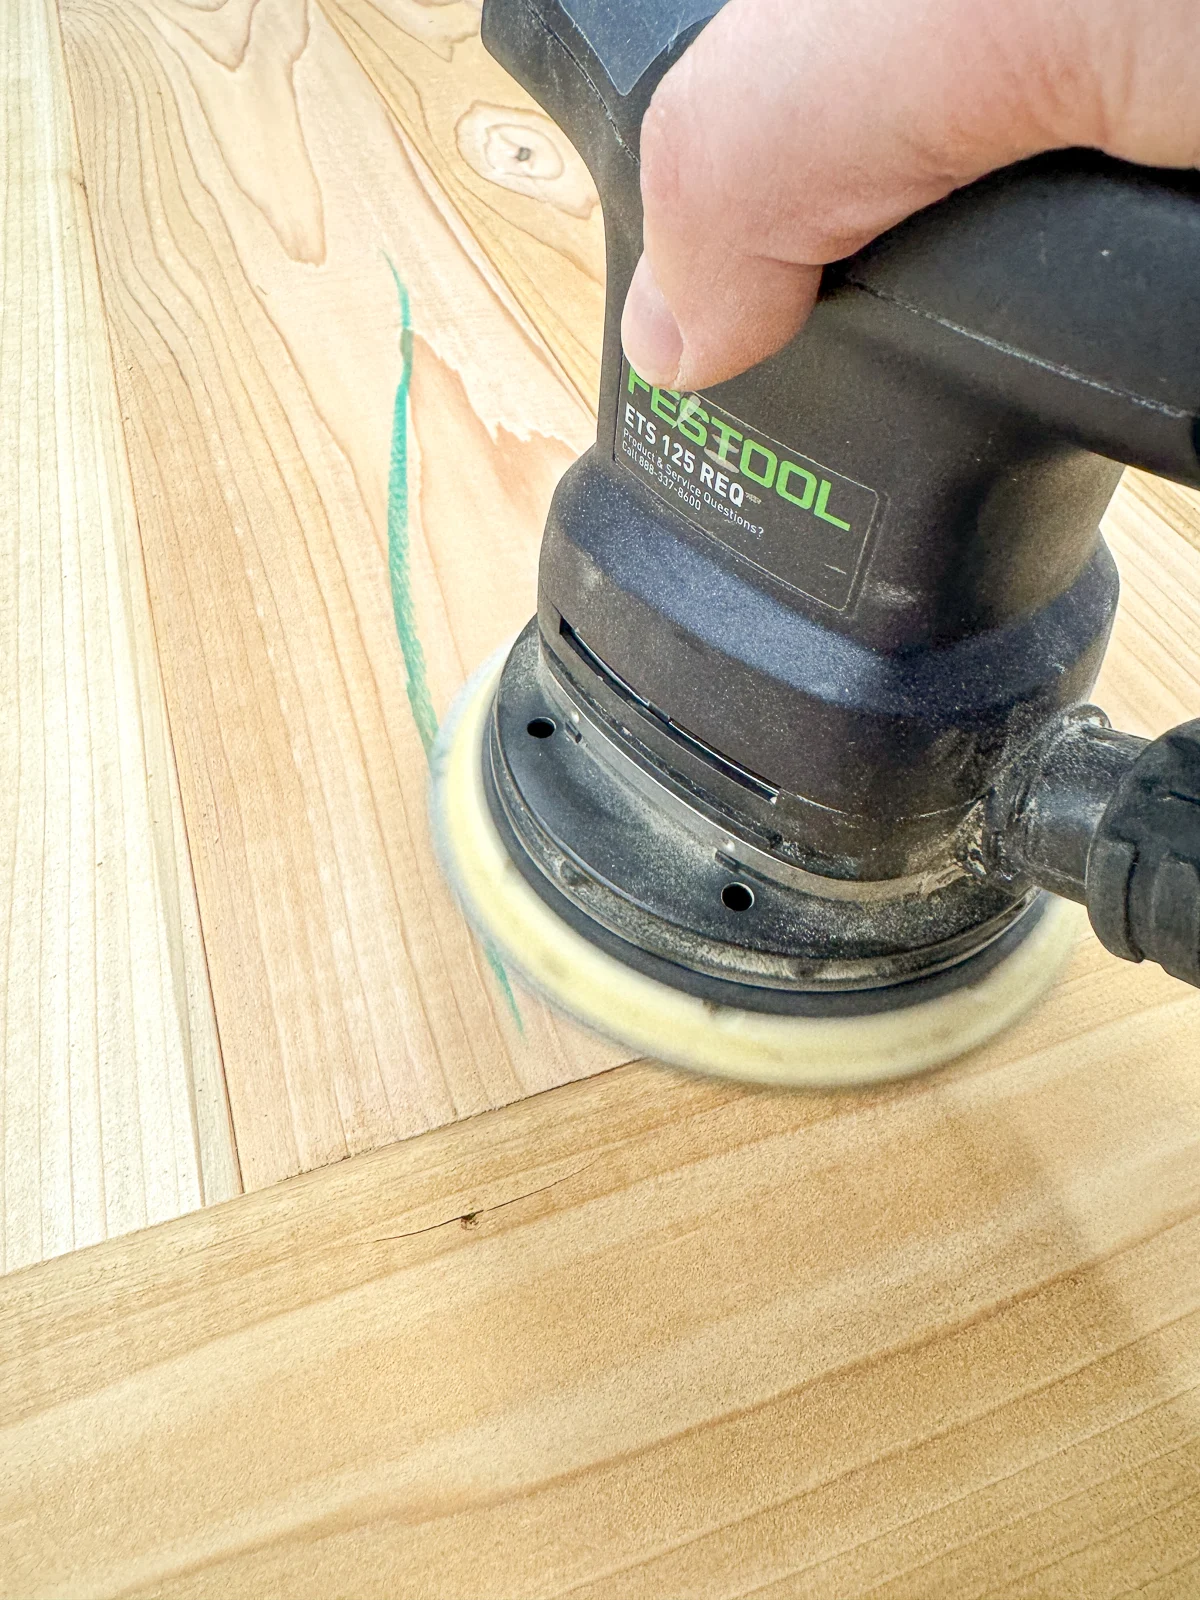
(764, 304)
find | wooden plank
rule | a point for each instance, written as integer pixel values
(649, 1336)
(112, 1103)
(520, 188)
(1151, 676)
(640, 1335)
(262, 221)
(260, 226)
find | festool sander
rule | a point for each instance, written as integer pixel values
(793, 776)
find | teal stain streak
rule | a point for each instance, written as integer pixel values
(505, 985)
(416, 677)
(415, 674)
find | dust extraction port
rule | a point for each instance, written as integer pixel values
(540, 728)
(737, 897)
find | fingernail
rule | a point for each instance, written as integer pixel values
(649, 332)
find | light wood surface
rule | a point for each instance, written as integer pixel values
(112, 1106)
(1151, 676)
(634, 1336)
(647, 1336)
(520, 188)
(263, 189)
(337, 521)
(257, 218)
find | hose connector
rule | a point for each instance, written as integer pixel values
(1143, 866)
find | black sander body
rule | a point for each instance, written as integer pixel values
(794, 775)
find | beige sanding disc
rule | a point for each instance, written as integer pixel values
(654, 1019)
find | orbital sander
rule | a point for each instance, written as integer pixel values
(793, 777)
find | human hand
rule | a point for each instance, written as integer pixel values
(795, 131)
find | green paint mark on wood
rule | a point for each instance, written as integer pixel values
(399, 554)
(400, 572)
(500, 974)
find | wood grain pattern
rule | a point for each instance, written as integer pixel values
(261, 219)
(519, 187)
(1151, 676)
(258, 217)
(112, 1104)
(648, 1336)
(636, 1336)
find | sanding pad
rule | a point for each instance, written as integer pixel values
(654, 1019)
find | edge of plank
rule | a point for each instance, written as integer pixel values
(114, 1109)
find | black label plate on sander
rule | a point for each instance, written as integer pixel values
(802, 522)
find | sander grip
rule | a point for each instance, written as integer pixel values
(1064, 286)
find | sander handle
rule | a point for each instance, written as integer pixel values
(1066, 288)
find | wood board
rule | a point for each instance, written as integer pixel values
(349, 328)
(112, 1105)
(264, 232)
(647, 1336)
(634, 1336)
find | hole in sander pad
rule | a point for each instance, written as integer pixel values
(737, 896)
(540, 728)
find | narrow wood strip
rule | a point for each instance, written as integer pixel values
(112, 1101)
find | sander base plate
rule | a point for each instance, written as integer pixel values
(655, 1019)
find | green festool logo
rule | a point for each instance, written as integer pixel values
(734, 452)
